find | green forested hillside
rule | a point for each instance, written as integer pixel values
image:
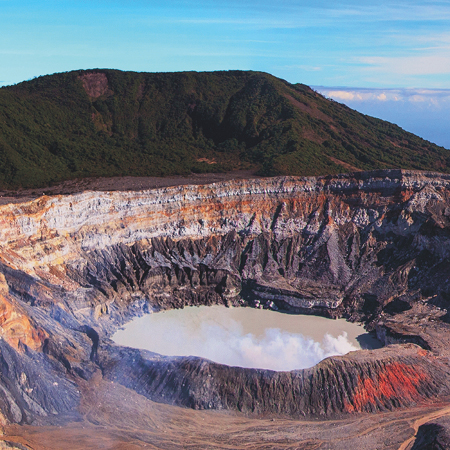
(109, 123)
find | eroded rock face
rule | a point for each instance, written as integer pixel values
(393, 377)
(434, 435)
(371, 246)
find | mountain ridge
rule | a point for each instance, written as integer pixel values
(104, 122)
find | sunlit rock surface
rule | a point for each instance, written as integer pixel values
(370, 246)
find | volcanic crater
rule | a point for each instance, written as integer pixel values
(371, 247)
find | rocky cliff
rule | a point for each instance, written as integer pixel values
(369, 246)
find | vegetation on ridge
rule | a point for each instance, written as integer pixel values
(112, 123)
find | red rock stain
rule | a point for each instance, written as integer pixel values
(395, 381)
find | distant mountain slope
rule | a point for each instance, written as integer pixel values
(108, 123)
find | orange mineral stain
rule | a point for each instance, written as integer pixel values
(395, 381)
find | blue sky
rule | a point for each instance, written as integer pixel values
(330, 43)
(424, 112)
(360, 44)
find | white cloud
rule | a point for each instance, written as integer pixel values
(310, 68)
(409, 65)
(407, 11)
(342, 95)
(432, 97)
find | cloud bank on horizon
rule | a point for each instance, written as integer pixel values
(430, 98)
(423, 112)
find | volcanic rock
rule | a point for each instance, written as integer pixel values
(371, 247)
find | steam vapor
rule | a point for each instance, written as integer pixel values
(275, 350)
(224, 341)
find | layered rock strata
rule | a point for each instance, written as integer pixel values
(369, 246)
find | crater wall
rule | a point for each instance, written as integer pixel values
(370, 246)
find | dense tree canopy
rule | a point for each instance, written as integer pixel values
(113, 123)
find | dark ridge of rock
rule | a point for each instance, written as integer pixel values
(394, 377)
(395, 333)
(434, 435)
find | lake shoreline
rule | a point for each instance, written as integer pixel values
(244, 337)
